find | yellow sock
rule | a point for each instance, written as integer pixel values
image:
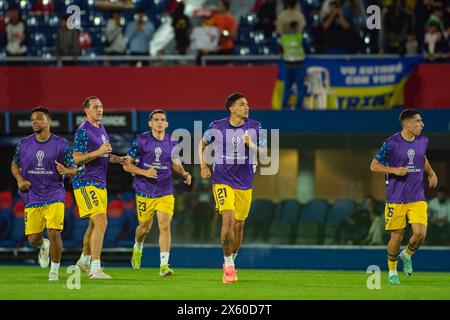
(410, 249)
(392, 262)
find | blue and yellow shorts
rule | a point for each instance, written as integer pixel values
(146, 207)
(395, 214)
(91, 201)
(228, 198)
(39, 218)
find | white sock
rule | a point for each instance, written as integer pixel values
(95, 266)
(164, 258)
(54, 267)
(405, 254)
(392, 273)
(85, 259)
(229, 261)
(234, 256)
(139, 245)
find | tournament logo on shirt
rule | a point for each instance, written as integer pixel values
(40, 157)
(411, 153)
(158, 152)
(236, 141)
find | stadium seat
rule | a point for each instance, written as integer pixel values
(284, 223)
(258, 222)
(79, 227)
(6, 200)
(340, 209)
(311, 224)
(113, 231)
(19, 209)
(128, 233)
(5, 226)
(66, 234)
(17, 235)
(115, 209)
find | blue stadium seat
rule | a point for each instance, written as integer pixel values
(66, 234)
(16, 236)
(311, 224)
(113, 231)
(284, 223)
(129, 229)
(5, 226)
(258, 222)
(79, 227)
(340, 210)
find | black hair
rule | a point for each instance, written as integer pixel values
(407, 114)
(43, 110)
(226, 4)
(156, 111)
(86, 102)
(231, 99)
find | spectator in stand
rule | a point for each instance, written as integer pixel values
(422, 11)
(337, 30)
(266, 12)
(67, 42)
(227, 25)
(439, 212)
(434, 41)
(353, 229)
(115, 40)
(436, 17)
(138, 35)
(291, 13)
(15, 34)
(181, 26)
(293, 49)
(376, 233)
(412, 46)
(397, 23)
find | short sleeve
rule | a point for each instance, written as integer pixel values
(80, 143)
(133, 151)
(68, 156)
(16, 156)
(382, 155)
(207, 136)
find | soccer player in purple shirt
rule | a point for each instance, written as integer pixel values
(40, 163)
(403, 159)
(232, 174)
(92, 153)
(155, 155)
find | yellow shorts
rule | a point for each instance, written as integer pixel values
(39, 218)
(395, 214)
(91, 201)
(146, 207)
(227, 198)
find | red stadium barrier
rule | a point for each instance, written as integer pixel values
(172, 88)
(427, 88)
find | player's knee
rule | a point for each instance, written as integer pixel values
(396, 236)
(164, 226)
(420, 236)
(34, 239)
(145, 228)
(53, 234)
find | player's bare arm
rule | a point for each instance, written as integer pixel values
(66, 171)
(16, 171)
(178, 168)
(117, 159)
(205, 172)
(261, 152)
(375, 166)
(83, 158)
(432, 178)
(129, 167)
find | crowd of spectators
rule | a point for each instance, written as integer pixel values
(329, 26)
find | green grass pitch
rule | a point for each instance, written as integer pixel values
(30, 282)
